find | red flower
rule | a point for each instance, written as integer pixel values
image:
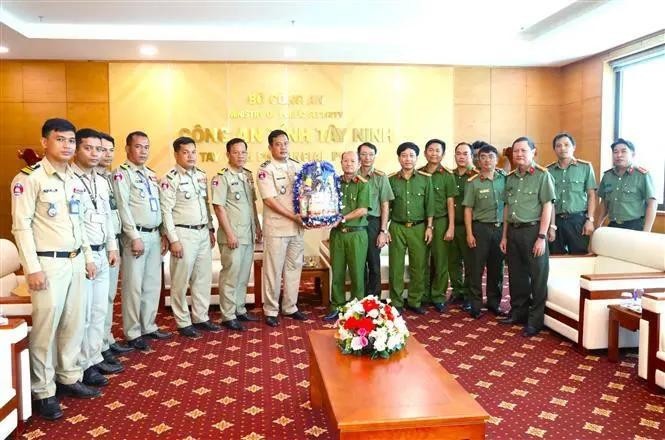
(370, 305)
(354, 323)
(389, 313)
(367, 324)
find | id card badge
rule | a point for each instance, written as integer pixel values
(154, 206)
(74, 207)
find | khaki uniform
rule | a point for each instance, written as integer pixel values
(414, 202)
(571, 185)
(137, 193)
(380, 192)
(114, 272)
(47, 216)
(101, 234)
(524, 198)
(284, 243)
(626, 196)
(183, 197)
(234, 191)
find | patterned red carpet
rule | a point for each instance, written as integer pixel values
(254, 385)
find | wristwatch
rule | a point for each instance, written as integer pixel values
(430, 227)
(543, 236)
(343, 220)
(383, 231)
(553, 227)
(589, 218)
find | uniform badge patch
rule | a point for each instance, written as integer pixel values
(117, 176)
(262, 175)
(18, 189)
(215, 182)
(165, 185)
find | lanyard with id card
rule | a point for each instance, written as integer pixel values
(154, 204)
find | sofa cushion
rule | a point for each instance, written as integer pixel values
(604, 264)
(642, 248)
(565, 293)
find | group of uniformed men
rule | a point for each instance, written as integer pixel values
(74, 221)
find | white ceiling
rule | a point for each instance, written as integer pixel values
(471, 32)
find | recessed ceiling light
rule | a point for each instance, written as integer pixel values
(4, 49)
(289, 52)
(148, 50)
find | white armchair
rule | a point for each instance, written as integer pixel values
(652, 341)
(12, 305)
(580, 288)
(15, 398)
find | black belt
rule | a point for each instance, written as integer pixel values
(565, 215)
(409, 224)
(117, 236)
(523, 225)
(143, 229)
(621, 222)
(97, 247)
(373, 217)
(197, 227)
(490, 224)
(345, 229)
(59, 254)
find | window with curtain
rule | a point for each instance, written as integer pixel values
(640, 111)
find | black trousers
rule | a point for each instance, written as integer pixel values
(569, 238)
(486, 254)
(636, 224)
(373, 264)
(527, 276)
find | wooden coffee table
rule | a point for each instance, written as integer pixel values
(619, 317)
(408, 396)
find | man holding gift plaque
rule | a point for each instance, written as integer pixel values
(411, 217)
(348, 239)
(282, 229)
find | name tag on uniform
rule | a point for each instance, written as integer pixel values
(74, 206)
(482, 191)
(98, 218)
(154, 206)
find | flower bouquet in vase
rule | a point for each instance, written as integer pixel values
(370, 327)
(316, 194)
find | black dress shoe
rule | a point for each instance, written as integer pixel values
(466, 306)
(497, 312)
(297, 315)
(106, 368)
(120, 349)
(247, 317)
(475, 314)
(110, 358)
(93, 378)
(530, 331)
(189, 332)
(48, 408)
(417, 310)
(440, 307)
(139, 344)
(511, 321)
(78, 390)
(233, 324)
(272, 321)
(158, 334)
(207, 326)
(332, 316)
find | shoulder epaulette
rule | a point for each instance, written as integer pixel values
(293, 160)
(150, 169)
(222, 171)
(473, 177)
(448, 169)
(424, 173)
(471, 172)
(200, 170)
(552, 164)
(583, 161)
(249, 171)
(500, 171)
(173, 171)
(264, 164)
(29, 169)
(512, 172)
(642, 170)
(393, 174)
(124, 166)
(607, 171)
(378, 172)
(361, 178)
(541, 168)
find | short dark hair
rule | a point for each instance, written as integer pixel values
(436, 141)
(235, 141)
(273, 135)
(107, 137)
(464, 143)
(487, 148)
(563, 134)
(524, 139)
(623, 141)
(408, 146)
(57, 124)
(85, 133)
(182, 140)
(131, 135)
(368, 145)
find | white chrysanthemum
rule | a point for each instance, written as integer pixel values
(356, 343)
(374, 313)
(380, 345)
(358, 308)
(394, 341)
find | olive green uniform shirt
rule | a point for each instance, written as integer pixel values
(443, 186)
(486, 197)
(355, 194)
(414, 199)
(571, 185)
(526, 193)
(380, 191)
(460, 183)
(626, 196)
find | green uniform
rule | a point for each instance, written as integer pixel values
(380, 191)
(413, 204)
(348, 243)
(459, 264)
(626, 196)
(524, 199)
(436, 280)
(485, 196)
(234, 190)
(571, 185)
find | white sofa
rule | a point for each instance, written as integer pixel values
(652, 341)
(12, 305)
(580, 288)
(15, 398)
